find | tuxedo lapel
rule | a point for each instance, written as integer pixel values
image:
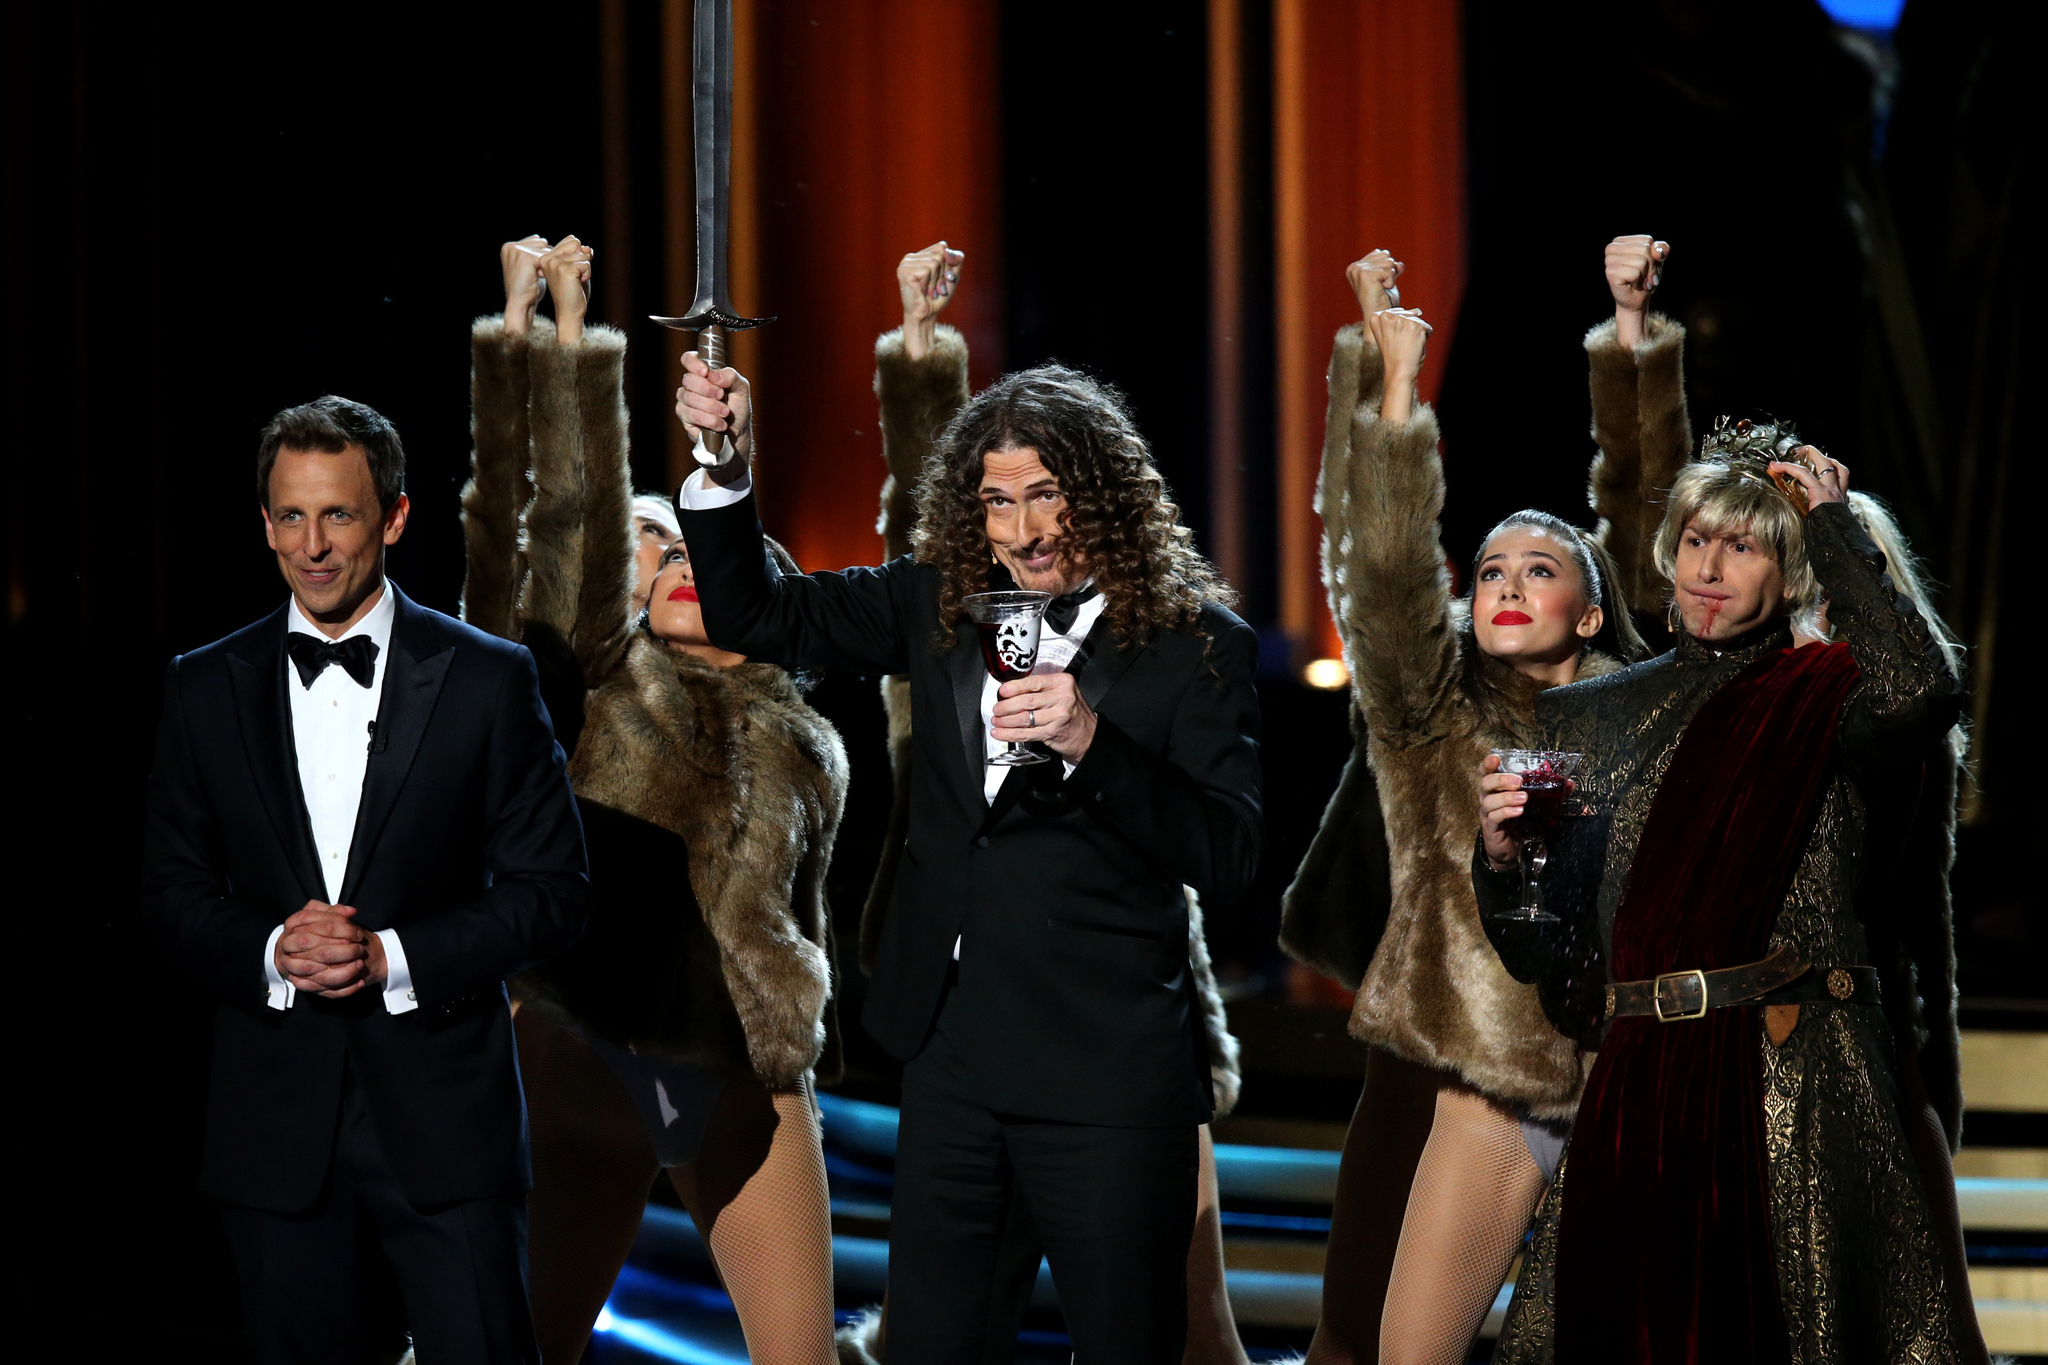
(412, 684)
(1106, 663)
(264, 716)
(969, 677)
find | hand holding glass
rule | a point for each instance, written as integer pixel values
(1008, 624)
(1546, 781)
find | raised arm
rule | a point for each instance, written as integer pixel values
(499, 485)
(1907, 695)
(1640, 422)
(579, 532)
(1381, 492)
(920, 380)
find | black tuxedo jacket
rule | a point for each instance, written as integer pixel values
(467, 843)
(1075, 994)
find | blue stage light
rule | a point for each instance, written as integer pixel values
(1881, 16)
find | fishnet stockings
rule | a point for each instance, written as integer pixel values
(1472, 1198)
(757, 1191)
(1381, 1149)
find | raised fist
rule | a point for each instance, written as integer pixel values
(520, 262)
(926, 280)
(566, 270)
(1402, 337)
(1372, 279)
(1635, 267)
(717, 400)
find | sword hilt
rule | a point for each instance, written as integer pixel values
(711, 350)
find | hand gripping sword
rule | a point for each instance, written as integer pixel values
(711, 316)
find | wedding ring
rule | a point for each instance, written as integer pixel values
(1031, 720)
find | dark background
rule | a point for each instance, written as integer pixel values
(209, 220)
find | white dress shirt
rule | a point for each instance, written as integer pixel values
(331, 732)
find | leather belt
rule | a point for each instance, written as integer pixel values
(1783, 978)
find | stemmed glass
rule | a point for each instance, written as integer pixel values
(1546, 781)
(1008, 624)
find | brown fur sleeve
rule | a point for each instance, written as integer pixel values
(918, 398)
(578, 529)
(767, 915)
(1644, 435)
(499, 485)
(1381, 492)
(604, 605)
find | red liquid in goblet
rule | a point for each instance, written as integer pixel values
(1546, 793)
(1004, 664)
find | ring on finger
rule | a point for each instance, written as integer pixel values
(1031, 720)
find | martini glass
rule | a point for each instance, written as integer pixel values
(1008, 624)
(1546, 780)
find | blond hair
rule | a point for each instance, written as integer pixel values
(1716, 499)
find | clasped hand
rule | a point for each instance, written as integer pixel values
(1064, 720)
(324, 951)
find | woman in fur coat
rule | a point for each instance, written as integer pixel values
(1467, 1085)
(683, 1031)
(921, 381)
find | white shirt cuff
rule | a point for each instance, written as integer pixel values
(398, 992)
(278, 992)
(699, 494)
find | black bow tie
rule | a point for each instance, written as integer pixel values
(357, 656)
(1063, 609)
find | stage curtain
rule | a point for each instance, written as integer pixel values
(866, 128)
(1369, 151)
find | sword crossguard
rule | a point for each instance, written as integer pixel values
(713, 316)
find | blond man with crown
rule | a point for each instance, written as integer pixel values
(1739, 1185)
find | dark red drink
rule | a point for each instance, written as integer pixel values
(1005, 662)
(1546, 794)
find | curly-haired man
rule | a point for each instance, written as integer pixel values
(1033, 973)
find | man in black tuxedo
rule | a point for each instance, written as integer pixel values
(1033, 974)
(359, 825)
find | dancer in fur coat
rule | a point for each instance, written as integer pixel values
(921, 381)
(1466, 1084)
(684, 1030)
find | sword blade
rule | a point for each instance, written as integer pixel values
(711, 108)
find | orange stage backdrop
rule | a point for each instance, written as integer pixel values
(1369, 151)
(865, 129)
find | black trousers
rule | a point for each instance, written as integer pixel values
(1114, 1209)
(461, 1268)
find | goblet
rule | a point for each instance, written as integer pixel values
(1546, 781)
(1008, 625)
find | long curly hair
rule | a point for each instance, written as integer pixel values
(1119, 521)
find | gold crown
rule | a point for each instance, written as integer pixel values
(1749, 448)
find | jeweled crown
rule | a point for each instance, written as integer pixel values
(1750, 447)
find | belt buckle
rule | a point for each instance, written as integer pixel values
(1680, 986)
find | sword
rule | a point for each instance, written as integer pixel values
(711, 316)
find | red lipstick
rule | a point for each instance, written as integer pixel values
(1513, 618)
(686, 593)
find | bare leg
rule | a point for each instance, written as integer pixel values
(1381, 1149)
(592, 1169)
(1212, 1331)
(757, 1191)
(1474, 1193)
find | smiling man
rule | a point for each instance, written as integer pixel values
(359, 826)
(1033, 974)
(1739, 1184)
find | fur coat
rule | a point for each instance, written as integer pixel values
(680, 764)
(1403, 928)
(918, 398)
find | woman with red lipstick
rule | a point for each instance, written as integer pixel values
(1466, 1078)
(682, 1032)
